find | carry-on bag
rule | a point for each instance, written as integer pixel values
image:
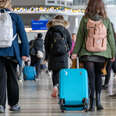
(29, 73)
(73, 89)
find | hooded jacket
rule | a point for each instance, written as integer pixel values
(57, 62)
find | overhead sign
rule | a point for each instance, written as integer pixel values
(39, 24)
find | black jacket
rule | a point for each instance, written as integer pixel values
(38, 44)
(57, 62)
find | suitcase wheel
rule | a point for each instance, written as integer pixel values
(85, 104)
(86, 110)
(62, 111)
(62, 102)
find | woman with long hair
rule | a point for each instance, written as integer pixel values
(94, 53)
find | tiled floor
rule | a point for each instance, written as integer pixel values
(35, 100)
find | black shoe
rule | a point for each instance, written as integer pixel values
(98, 101)
(15, 108)
(100, 107)
(91, 109)
(2, 110)
(92, 104)
(105, 87)
(113, 95)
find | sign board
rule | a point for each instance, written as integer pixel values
(39, 24)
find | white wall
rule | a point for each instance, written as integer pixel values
(111, 12)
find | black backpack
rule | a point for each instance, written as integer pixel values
(59, 44)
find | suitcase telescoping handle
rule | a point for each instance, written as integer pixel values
(77, 62)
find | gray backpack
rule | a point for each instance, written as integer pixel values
(6, 30)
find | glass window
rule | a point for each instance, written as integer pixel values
(58, 2)
(110, 2)
(84, 2)
(62, 3)
(50, 1)
(80, 2)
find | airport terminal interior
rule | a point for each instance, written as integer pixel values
(36, 100)
(35, 96)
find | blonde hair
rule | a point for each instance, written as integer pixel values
(5, 4)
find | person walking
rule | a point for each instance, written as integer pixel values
(36, 58)
(57, 46)
(110, 65)
(11, 26)
(95, 44)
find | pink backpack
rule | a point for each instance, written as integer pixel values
(96, 40)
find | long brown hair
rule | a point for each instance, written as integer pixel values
(95, 7)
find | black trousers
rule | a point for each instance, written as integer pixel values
(114, 66)
(94, 76)
(55, 77)
(37, 63)
(108, 69)
(110, 65)
(8, 81)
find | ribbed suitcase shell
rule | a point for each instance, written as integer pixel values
(73, 88)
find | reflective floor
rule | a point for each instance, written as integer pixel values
(35, 100)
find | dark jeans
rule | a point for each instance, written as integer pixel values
(8, 81)
(55, 77)
(114, 66)
(110, 65)
(108, 69)
(94, 76)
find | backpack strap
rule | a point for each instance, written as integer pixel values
(14, 36)
(5, 11)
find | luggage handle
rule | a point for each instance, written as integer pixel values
(77, 62)
(27, 63)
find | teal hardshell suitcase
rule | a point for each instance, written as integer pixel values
(73, 89)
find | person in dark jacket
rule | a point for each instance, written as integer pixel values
(56, 63)
(35, 58)
(94, 60)
(110, 65)
(9, 58)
